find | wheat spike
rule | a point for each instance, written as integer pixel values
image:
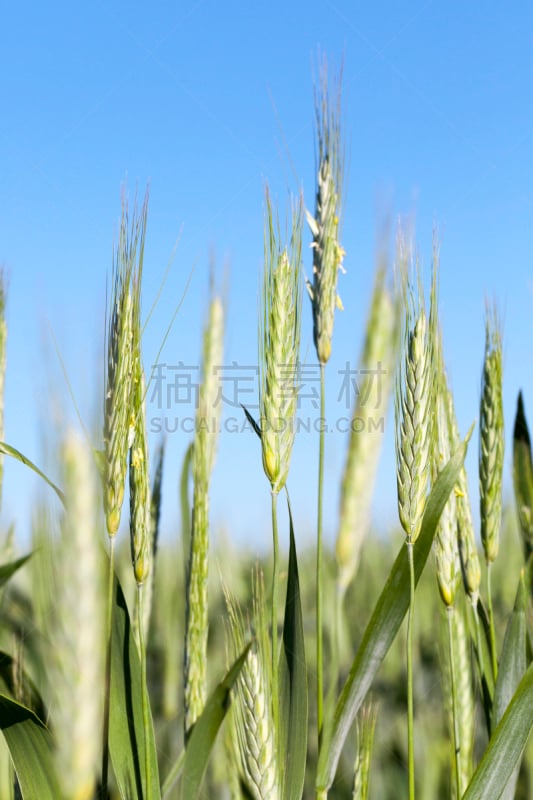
(328, 252)
(491, 443)
(118, 418)
(252, 710)
(206, 434)
(279, 346)
(415, 388)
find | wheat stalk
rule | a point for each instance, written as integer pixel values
(415, 395)
(465, 700)
(119, 418)
(328, 255)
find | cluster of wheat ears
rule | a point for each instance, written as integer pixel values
(112, 681)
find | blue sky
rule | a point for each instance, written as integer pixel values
(206, 102)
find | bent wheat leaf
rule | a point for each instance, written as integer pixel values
(30, 746)
(506, 745)
(7, 450)
(512, 667)
(204, 731)
(126, 728)
(384, 624)
(7, 570)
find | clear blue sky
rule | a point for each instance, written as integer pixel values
(204, 100)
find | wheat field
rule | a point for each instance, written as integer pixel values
(154, 666)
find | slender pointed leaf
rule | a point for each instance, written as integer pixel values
(293, 688)
(512, 667)
(126, 728)
(255, 425)
(173, 774)
(30, 746)
(11, 451)
(7, 570)
(385, 622)
(205, 729)
(15, 682)
(484, 661)
(505, 746)
(523, 476)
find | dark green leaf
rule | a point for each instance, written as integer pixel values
(385, 623)
(15, 683)
(126, 729)
(512, 667)
(30, 746)
(251, 420)
(293, 683)
(505, 746)
(523, 476)
(203, 734)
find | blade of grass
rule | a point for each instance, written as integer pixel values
(512, 667)
(126, 726)
(30, 745)
(203, 734)
(7, 450)
(506, 745)
(293, 682)
(7, 570)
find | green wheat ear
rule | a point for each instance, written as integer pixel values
(118, 418)
(446, 538)
(252, 707)
(279, 345)
(140, 529)
(491, 444)
(415, 395)
(325, 225)
(468, 554)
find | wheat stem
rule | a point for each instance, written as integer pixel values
(410, 705)
(275, 587)
(107, 694)
(319, 559)
(144, 693)
(455, 717)
(492, 630)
